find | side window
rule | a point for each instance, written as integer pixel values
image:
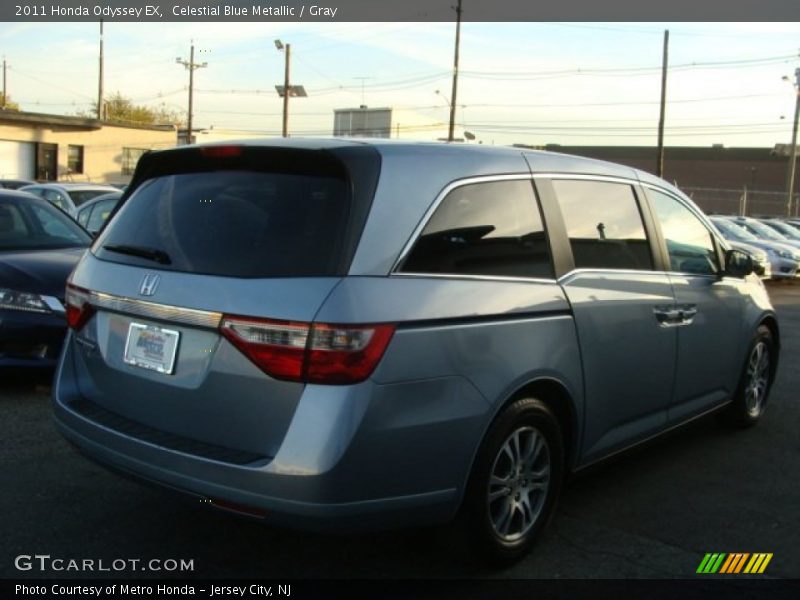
(83, 216)
(492, 228)
(604, 225)
(689, 243)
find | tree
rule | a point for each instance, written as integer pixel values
(120, 108)
(6, 103)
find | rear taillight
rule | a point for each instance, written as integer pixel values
(78, 308)
(313, 353)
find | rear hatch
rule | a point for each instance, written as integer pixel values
(192, 308)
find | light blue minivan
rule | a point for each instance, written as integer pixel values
(340, 334)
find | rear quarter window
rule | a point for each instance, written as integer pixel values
(489, 229)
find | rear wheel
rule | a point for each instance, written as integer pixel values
(755, 381)
(516, 480)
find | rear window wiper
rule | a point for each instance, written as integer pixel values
(153, 254)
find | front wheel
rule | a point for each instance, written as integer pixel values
(755, 381)
(516, 480)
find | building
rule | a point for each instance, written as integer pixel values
(721, 180)
(386, 123)
(60, 148)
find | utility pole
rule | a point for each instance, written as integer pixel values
(453, 102)
(4, 84)
(793, 149)
(191, 65)
(100, 114)
(660, 159)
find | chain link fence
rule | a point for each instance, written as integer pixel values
(741, 201)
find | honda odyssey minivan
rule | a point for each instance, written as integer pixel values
(340, 334)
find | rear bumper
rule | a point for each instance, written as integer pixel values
(417, 509)
(30, 339)
(354, 458)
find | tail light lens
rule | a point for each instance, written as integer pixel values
(310, 352)
(78, 308)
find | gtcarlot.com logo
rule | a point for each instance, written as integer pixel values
(45, 562)
(734, 563)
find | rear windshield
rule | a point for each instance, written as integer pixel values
(236, 223)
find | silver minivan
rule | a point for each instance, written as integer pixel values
(339, 334)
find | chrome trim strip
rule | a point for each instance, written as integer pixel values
(586, 176)
(575, 272)
(162, 312)
(499, 278)
(438, 200)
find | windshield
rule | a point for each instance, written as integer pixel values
(786, 230)
(731, 231)
(762, 231)
(29, 225)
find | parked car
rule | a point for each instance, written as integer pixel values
(782, 258)
(14, 184)
(339, 334)
(39, 246)
(763, 232)
(783, 228)
(92, 215)
(68, 196)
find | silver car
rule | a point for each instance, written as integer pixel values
(783, 259)
(68, 196)
(335, 334)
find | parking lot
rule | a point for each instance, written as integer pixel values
(653, 512)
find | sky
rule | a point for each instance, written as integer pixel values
(529, 83)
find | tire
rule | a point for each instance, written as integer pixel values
(515, 481)
(755, 381)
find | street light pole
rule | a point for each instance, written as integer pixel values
(286, 89)
(793, 148)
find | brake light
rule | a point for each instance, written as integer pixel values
(221, 151)
(309, 352)
(79, 310)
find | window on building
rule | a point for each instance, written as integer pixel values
(75, 159)
(491, 228)
(689, 243)
(604, 225)
(131, 156)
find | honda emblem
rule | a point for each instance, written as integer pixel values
(149, 284)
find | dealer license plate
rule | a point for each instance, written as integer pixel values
(151, 347)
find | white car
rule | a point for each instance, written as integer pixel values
(68, 196)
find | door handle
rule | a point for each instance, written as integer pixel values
(688, 313)
(668, 316)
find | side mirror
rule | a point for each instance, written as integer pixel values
(738, 264)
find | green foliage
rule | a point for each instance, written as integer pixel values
(122, 109)
(7, 104)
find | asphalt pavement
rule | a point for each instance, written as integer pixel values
(652, 513)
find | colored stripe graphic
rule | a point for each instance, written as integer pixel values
(758, 563)
(738, 562)
(733, 563)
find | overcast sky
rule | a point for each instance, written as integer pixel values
(533, 83)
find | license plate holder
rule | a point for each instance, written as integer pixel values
(150, 347)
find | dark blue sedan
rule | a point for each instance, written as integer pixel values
(39, 247)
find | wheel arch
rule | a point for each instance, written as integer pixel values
(556, 396)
